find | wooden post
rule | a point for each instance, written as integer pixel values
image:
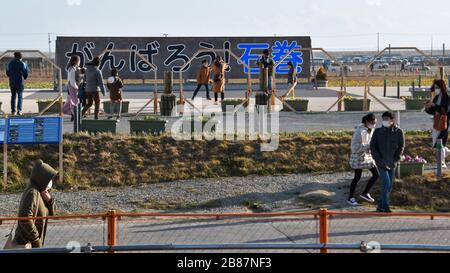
(112, 228)
(442, 73)
(168, 99)
(61, 114)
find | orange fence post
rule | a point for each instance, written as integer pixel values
(112, 228)
(323, 229)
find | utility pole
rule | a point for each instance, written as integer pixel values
(443, 50)
(378, 42)
(49, 46)
(431, 46)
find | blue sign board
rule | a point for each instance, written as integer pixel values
(41, 130)
(2, 129)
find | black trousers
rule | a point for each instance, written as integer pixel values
(198, 88)
(369, 185)
(216, 96)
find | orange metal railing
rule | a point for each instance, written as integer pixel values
(323, 216)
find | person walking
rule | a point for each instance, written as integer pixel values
(387, 146)
(94, 84)
(292, 81)
(115, 85)
(361, 158)
(73, 83)
(17, 72)
(36, 201)
(203, 77)
(439, 108)
(218, 71)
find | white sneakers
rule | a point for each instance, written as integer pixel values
(367, 198)
(352, 202)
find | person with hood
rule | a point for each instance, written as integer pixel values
(36, 201)
(115, 85)
(203, 76)
(387, 146)
(17, 72)
(361, 158)
(73, 83)
(218, 71)
(440, 106)
(94, 84)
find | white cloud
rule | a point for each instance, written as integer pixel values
(73, 2)
(374, 2)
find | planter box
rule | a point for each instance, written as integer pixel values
(54, 109)
(355, 105)
(107, 107)
(148, 126)
(98, 126)
(226, 104)
(417, 104)
(298, 105)
(421, 94)
(411, 169)
(322, 83)
(189, 126)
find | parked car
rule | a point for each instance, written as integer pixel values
(417, 67)
(380, 65)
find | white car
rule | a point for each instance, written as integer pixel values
(337, 68)
(417, 67)
(380, 65)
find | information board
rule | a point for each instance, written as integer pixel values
(2, 130)
(41, 130)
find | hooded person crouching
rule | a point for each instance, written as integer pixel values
(36, 201)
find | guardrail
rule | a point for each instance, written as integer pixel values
(123, 232)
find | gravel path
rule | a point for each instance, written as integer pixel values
(218, 195)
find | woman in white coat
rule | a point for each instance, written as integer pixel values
(361, 158)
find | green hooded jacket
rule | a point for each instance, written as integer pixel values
(32, 205)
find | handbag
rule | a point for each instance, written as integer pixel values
(218, 78)
(10, 244)
(440, 122)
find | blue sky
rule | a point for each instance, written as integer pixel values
(345, 24)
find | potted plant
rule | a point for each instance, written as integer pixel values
(352, 104)
(299, 104)
(410, 166)
(191, 124)
(107, 107)
(54, 109)
(234, 103)
(321, 78)
(93, 126)
(421, 94)
(150, 124)
(415, 103)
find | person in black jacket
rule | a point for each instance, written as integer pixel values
(17, 72)
(440, 105)
(387, 146)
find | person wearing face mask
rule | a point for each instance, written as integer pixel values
(361, 158)
(36, 201)
(387, 146)
(440, 105)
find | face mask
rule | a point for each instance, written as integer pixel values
(50, 185)
(371, 126)
(437, 91)
(387, 123)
